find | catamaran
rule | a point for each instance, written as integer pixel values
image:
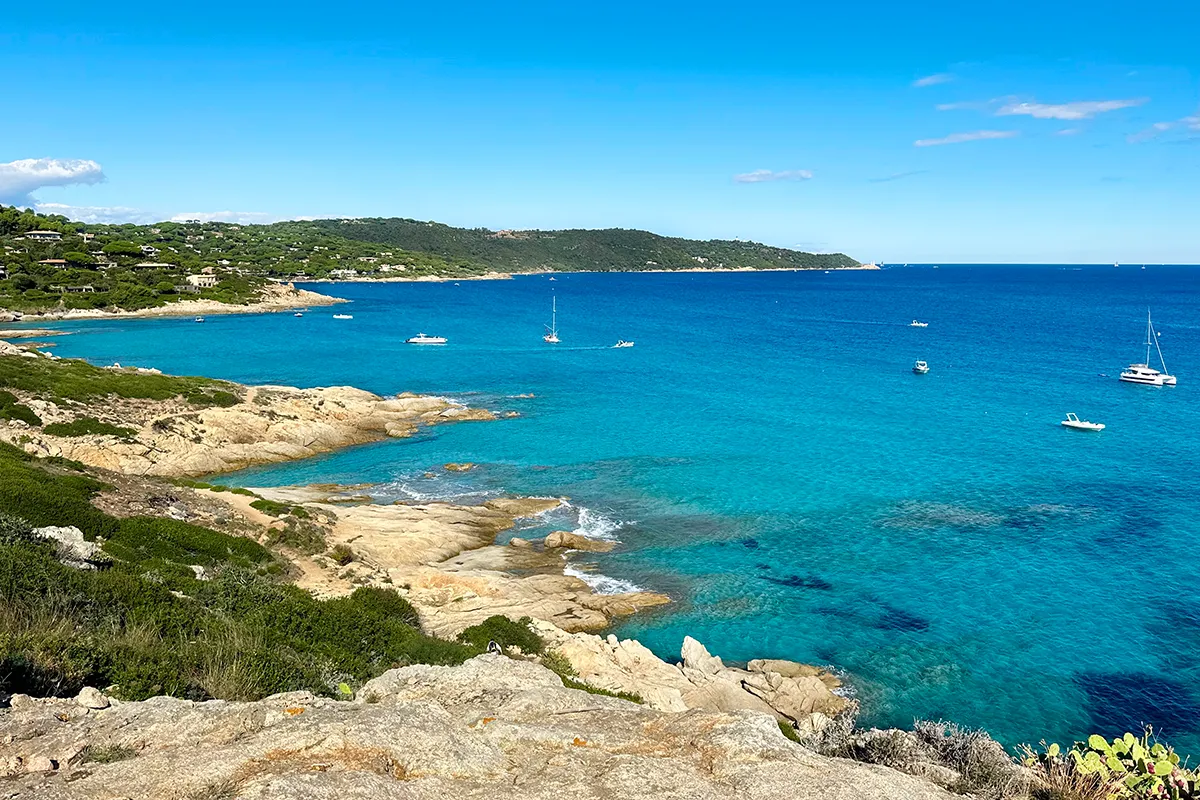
(1143, 373)
(421, 338)
(551, 336)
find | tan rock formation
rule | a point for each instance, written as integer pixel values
(273, 423)
(490, 728)
(572, 541)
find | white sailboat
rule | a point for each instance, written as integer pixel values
(551, 336)
(1143, 373)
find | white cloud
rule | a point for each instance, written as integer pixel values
(763, 175)
(101, 214)
(237, 217)
(1082, 109)
(897, 176)
(933, 80)
(972, 136)
(1191, 123)
(18, 179)
(1069, 132)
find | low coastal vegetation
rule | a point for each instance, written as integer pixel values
(88, 426)
(48, 263)
(60, 380)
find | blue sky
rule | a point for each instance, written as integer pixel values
(938, 131)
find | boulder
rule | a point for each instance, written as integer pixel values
(696, 656)
(91, 697)
(73, 549)
(566, 540)
(465, 466)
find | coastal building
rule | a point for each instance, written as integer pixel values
(44, 236)
(343, 273)
(149, 249)
(153, 265)
(202, 281)
(53, 262)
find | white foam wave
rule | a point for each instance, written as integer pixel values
(429, 490)
(602, 584)
(594, 525)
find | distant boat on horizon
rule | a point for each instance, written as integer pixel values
(918, 324)
(551, 336)
(623, 343)
(343, 316)
(1143, 373)
(920, 368)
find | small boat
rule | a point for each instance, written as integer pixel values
(343, 316)
(553, 278)
(1073, 421)
(826, 272)
(623, 343)
(551, 336)
(298, 314)
(920, 368)
(199, 319)
(916, 324)
(421, 338)
(1143, 373)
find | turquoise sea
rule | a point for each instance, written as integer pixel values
(766, 456)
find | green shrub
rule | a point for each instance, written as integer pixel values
(10, 408)
(506, 633)
(71, 379)
(16, 531)
(342, 554)
(789, 730)
(572, 683)
(100, 754)
(143, 539)
(88, 426)
(273, 508)
(212, 397)
(298, 534)
(44, 498)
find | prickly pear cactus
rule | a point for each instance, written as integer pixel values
(1135, 768)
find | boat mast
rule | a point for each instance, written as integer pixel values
(1161, 360)
(554, 318)
(1149, 336)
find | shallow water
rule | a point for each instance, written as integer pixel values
(766, 456)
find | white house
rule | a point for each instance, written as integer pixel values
(202, 281)
(44, 236)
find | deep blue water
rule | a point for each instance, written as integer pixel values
(766, 456)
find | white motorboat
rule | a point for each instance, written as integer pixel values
(421, 338)
(343, 316)
(1073, 421)
(920, 368)
(298, 314)
(623, 343)
(1143, 373)
(199, 319)
(551, 336)
(916, 324)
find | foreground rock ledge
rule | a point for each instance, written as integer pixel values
(489, 728)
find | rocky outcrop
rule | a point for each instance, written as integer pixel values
(804, 695)
(490, 728)
(73, 549)
(271, 424)
(443, 559)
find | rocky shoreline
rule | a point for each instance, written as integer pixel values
(444, 560)
(273, 297)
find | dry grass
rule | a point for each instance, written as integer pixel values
(1055, 778)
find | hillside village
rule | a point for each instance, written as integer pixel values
(50, 264)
